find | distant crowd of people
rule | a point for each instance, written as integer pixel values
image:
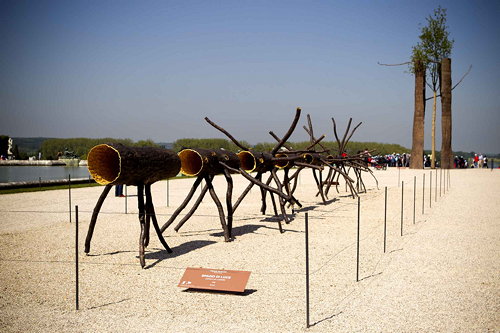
(479, 161)
(391, 160)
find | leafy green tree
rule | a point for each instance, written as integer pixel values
(435, 44)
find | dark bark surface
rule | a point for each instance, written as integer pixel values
(417, 148)
(446, 152)
(111, 164)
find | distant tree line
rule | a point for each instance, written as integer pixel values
(52, 148)
(352, 147)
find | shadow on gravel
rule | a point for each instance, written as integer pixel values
(177, 251)
(325, 319)
(107, 304)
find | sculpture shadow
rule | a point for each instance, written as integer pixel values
(184, 248)
(241, 230)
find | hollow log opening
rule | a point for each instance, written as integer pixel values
(282, 164)
(191, 162)
(308, 158)
(104, 164)
(247, 161)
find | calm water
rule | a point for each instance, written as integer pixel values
(32, 173)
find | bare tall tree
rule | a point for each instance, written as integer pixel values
(436, 45)
(445, 78)
(417, 148)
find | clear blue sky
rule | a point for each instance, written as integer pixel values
(155, 69)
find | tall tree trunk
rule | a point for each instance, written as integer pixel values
(445, 77)
(433, 134)
(417, 148)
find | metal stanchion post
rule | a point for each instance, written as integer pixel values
(307, 269)
(414, 196)
(399, 175)
(440, 181)
(423, 194)
(39, 182)
(385, 220)
(77, 291)
(436, 188)
(430, 190)
(69, 195)
(357, 249)
(126, 199)
(402, 197)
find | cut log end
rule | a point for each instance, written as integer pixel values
(104, 164)
(191, 162)
(247, 161)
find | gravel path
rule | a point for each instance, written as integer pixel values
(442, 275)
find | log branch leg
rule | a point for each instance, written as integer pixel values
(142, 221)
(219, 208)
(183, 204)
(150, 210)
(95, 213)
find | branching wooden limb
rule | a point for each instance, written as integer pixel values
(95, 214)
(147, 226)
(281, 201)
(140, 203)
(150, 210)
(193, 209)
(463, 77)
(459, 81)
(279, 140)
(311, 137)
(229, 204)
(343, 143)
(289, 133)
(315, 142)
(319, 186)
(245, 192)
(307, 165)
(236, 142)
(401, 64)
(216, 200)
(183, 204)
(310, 126)
(336, 135)
(268, 188)
(353, 130)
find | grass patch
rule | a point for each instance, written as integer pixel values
(45, 188)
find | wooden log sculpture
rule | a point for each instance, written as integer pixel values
(111, 164)
(205, 164)
(260, 162)
(343, 163)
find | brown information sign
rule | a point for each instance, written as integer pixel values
(214, 279)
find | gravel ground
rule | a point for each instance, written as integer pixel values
(442, 275)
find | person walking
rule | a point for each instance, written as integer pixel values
(119, 190)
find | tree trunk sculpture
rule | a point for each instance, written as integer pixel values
(417, 148)
(445, 77)
(111, 164)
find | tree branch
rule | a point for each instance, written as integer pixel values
(404, 63)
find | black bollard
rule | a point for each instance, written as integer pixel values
(357, 249)
(423, 194)
(414, 196)
(77, 291)
(307, 269)
(430, 191)
(385, 219)
(69, 196)
(402, 197)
